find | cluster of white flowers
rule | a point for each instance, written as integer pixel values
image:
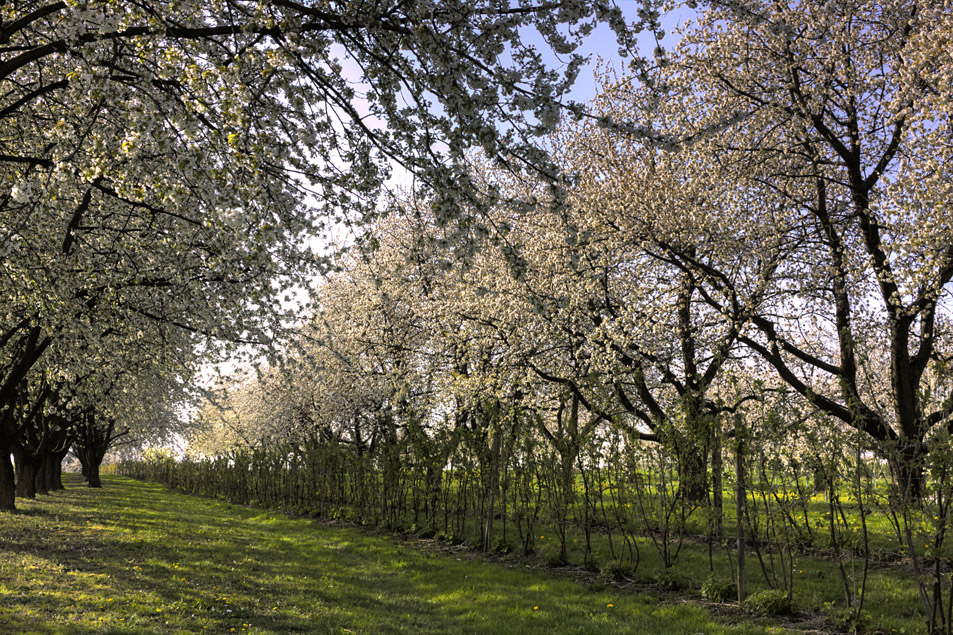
(22, 193)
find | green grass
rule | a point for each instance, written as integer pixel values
(891, 603)
(137, 558)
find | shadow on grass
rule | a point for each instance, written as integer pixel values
(137, 558)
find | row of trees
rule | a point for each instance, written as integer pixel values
(769, 206)
(756, 229)
(795, 506)
(164, 167)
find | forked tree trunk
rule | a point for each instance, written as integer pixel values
(90, 446)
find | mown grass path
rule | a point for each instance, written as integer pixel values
(137, 558)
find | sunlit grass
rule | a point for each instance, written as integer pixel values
(137, 558)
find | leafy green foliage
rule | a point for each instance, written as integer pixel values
(719, 590)
(773, 602)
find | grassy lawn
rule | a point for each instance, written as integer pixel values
(137, 558)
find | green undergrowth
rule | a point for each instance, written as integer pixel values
(137, 558)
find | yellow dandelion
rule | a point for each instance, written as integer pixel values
(535, 608)
(609, 606)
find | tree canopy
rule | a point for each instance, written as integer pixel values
(166, 165)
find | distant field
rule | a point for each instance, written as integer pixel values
(137, 558)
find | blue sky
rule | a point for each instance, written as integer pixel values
(602, 44)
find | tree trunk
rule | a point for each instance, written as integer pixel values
(56, 465)
(908, 466)
(492, 487)
(568, 454)
(692, 442)
(42, 478)
(7, 478)
(92, 476)
(820, 479)
(717, 484)
(25, 473)
(90, 446)
(31, 344)
(693, 471)
(741, 500)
